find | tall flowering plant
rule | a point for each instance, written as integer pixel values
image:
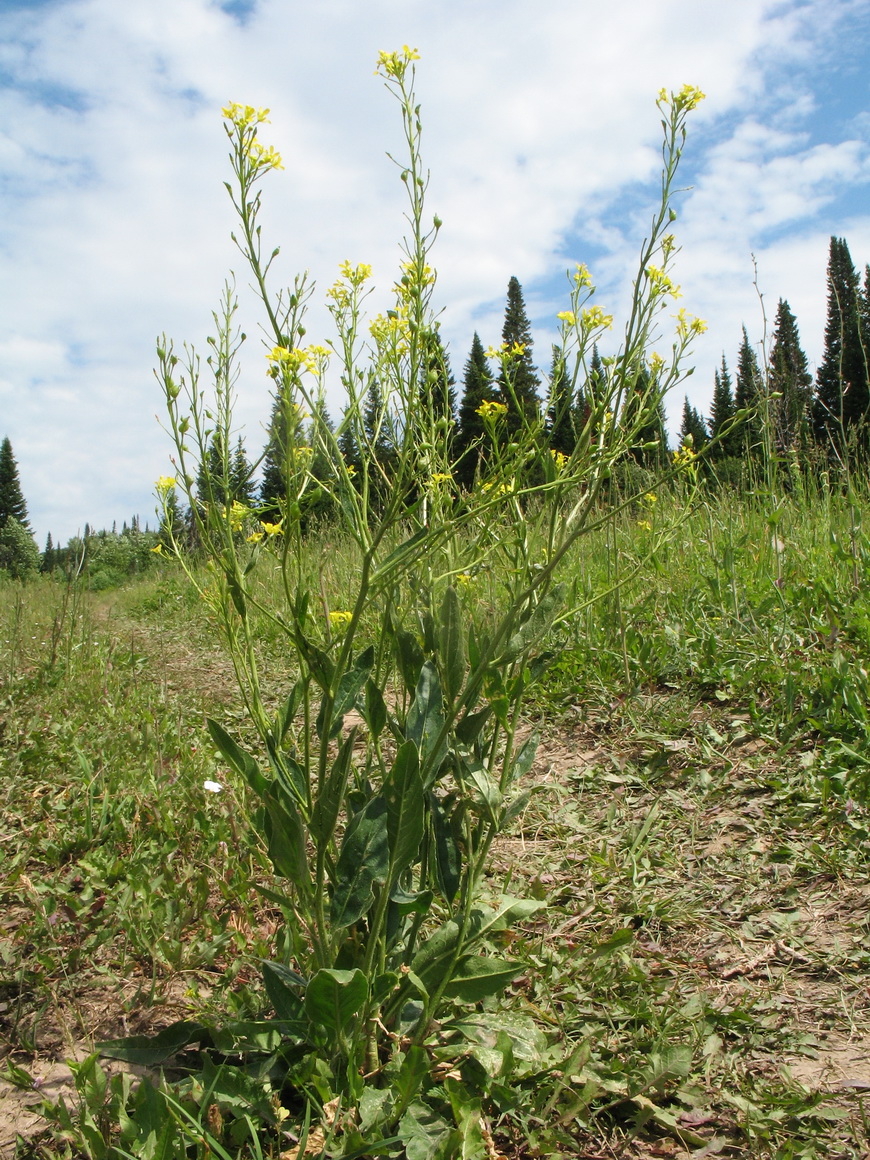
(393, 763)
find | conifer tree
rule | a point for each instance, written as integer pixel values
(519, 385)
(241, 482)
(211, 476)
(693, 427)
(347, 442)
(561, 435)
(285, 427)
(12, 505)
(650, 440)
(722, 413)
(749, 394)
(47, 564)
(320, 504)
(590, 390)
(477, 388)
(789, 378)
(437, 385)
(841, 396)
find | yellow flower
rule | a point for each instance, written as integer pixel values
(237, 515)
(582, 276)
(158, 549)
(650, 499)
(661, 283)
(594, 318)
(688, 325)
(340, 619)
(489, 409)
(463, 579)
(442, 477)
(567, 316)
(271, 529)
(394, 64)
(356, 275)
(645, 524)
(254, 538)
(165, 485)
(263, 157)
(656, 363)
(244, 115)
(560, 459)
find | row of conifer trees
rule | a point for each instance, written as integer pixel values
(811, 423)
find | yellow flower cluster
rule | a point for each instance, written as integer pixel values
(594, 318)
(688, 325)
(237, 515)
(165, 485)
(656, 364)
(660, 282)
(493, 488)
(442, 477)
(356, 275)
(391, 330)
(244, 115)
(504, 352)
(340, 619)
(686, 455)
(489, 409)
(582, 277)
(560, 459)
(395, 64)
(567, 316)
(313, 359)
(687, 99)
(263, 157)
(265, 529)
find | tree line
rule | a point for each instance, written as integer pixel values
(769, 410)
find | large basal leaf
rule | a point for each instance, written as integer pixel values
(150, 1050)
(483, 921)
(524, 760)
(409, 657)
(448, 857)
(236, 758)
(536, 627)
(333, 998)
(426, 720)
(403, 793)
(451, 644)
(329, 800)
(364, 861)
(285, 838)
(289, 775)
(477, 978)
(375, 710)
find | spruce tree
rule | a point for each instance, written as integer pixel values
(647, 419)
(437, 385)
(789, 378)
(693, 428)
(12, 505)
(841, 396)
(48, 560)
(477, 388)
(285, 427)
(561, 435)
(319, 503)
(241, 484)
(519, 386)
(749, 394)
(722, 413)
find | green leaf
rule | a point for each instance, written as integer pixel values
(403, 793)
(468, 729)
(409, 657)
(288, 774)
(375, 711)
(349, 688)
(285, 838)
(524, 760)
(477, 978)
(286, 713)
(237, 759)
(535, 627)
(329, 801)
(617, 941)
(451, 643)
(448, 857)
(333, 998)
(406, 550)
(282, 987)
(364, 861)
(426, 718)
(150, 1050)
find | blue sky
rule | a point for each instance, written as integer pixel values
(542, 136)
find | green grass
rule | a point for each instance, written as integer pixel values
(698, 827)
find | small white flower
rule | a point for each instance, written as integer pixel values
(212, 786)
